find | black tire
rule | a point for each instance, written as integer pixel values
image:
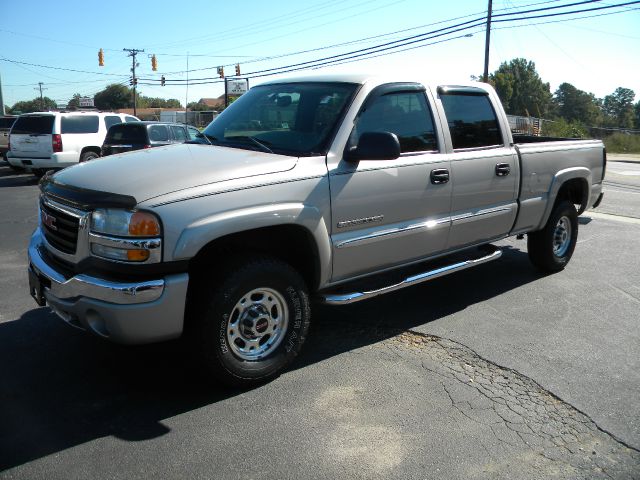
(228, 334)
(551, 248)
(88, 155)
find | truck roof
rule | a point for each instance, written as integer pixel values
(362, 78)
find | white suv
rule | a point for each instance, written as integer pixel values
(47, 140)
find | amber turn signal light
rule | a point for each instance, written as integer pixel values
(143, 224)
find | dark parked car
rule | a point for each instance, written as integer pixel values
(124, 137)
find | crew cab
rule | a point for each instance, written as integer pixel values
(340, 188)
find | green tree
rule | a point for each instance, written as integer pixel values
(618, 108)
(34, 105)
(75, 101)
(636, 110)
(113, 97)
(156, 102)
(575, 105)
(202, 107)
(521, 89)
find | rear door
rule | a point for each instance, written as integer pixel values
(79, 131)
(31, 136)
(484, 168)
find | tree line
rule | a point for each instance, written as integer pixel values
(113, 97)
(523, 92)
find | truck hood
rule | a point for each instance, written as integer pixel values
(145, 174)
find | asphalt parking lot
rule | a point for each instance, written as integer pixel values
(495, 372)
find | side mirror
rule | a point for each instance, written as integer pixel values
(374, 146)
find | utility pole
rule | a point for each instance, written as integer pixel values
(41, 98)
(485, 75)
(132, 53)
(2, 112)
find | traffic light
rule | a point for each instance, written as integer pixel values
(101, 58)
(237, 69)
(131, 81)
(135, 81)
(154, 63)
(162, 80)
(221, 72)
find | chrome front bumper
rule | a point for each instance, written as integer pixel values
(125, 312)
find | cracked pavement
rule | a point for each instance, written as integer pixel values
(521, 415)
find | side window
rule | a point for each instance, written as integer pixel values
(472, 120)
(79, 124)
(406, 114)
(110, 120)
(158, 133)
(193, 133)
(129, 119)
(179, 134)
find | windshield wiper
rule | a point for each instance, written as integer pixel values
(259, 143)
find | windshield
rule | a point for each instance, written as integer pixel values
(291, 119)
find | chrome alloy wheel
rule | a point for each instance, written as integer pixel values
(562, 236)
(257, 324)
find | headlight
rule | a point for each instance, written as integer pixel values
(116, 235)
(111, 221)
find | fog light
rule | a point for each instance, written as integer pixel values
(137, 255)
(121, 254)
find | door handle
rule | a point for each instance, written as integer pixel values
(439, 175)
(503, 169)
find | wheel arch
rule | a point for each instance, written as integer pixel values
(573, 185)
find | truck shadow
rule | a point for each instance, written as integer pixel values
(60, 387)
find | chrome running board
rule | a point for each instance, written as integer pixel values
(347, 298)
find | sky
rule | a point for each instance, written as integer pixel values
(57, 43)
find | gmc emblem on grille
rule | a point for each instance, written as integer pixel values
(48, 220)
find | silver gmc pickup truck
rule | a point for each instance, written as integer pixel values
(338, 188)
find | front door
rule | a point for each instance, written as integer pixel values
(391, 212)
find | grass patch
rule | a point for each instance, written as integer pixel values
(622, 143)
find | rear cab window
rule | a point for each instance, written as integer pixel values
(126, 134)
(472, 121)
(79, 124)
(33, 125)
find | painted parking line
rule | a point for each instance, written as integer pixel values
(615, 218)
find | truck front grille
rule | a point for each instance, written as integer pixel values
(59, 228)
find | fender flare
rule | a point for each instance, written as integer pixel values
(558, 181)
(201, 232)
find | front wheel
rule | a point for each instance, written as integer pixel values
(251, 325)
(551, 248)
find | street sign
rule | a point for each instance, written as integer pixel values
(86, 101)
(237, 87)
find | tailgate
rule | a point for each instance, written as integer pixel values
(31, 135)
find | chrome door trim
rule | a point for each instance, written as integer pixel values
(480, 213)
(399, 231)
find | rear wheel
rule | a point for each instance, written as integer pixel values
(250, 326)
(89, 155)
(551, 248)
